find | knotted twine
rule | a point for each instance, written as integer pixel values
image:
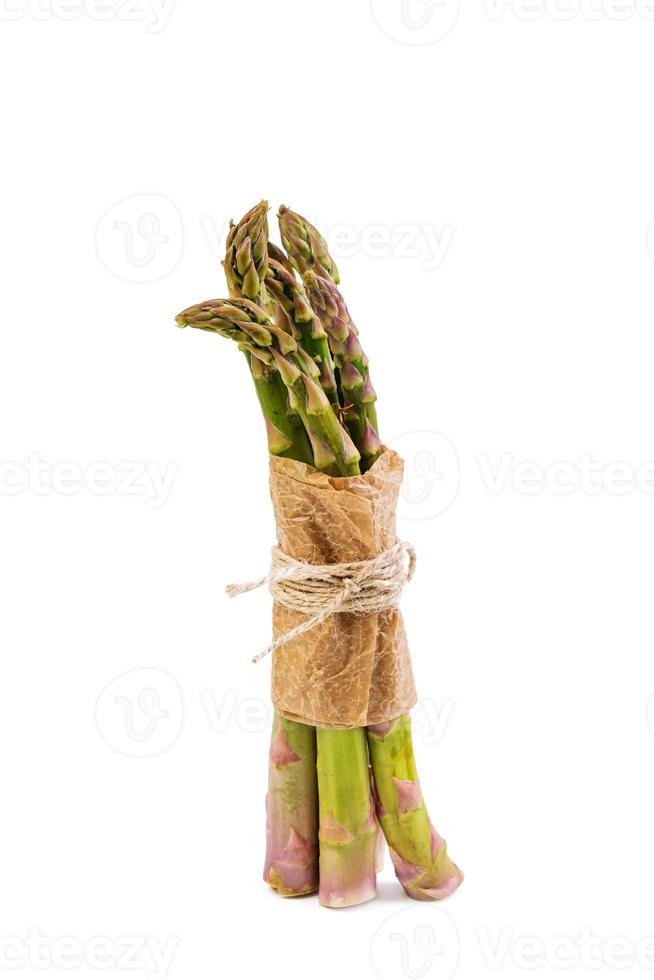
(320, 591)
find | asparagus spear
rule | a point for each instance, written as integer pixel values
(306, 247)
(294, 314)
(291, 866)
(419, 854)
(245, 267)
(357, 393)
(348, 829)
(309, 254)
(246, 261)
(241, 320)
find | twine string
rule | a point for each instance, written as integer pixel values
(320, 591)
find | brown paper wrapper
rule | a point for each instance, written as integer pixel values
(352, 670)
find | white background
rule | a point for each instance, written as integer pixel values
(486, 181)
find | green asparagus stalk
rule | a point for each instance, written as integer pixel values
(309, 254)
(306, 247)
(291, 865)
(419, 854)
(244, 322)
(246, 266)
(353, 375)
(294, 314)
(348, 830)
(246, 260)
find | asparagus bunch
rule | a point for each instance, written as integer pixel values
(329, 790)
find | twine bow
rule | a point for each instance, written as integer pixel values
(319, 591)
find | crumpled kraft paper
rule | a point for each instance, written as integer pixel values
(352, 670)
